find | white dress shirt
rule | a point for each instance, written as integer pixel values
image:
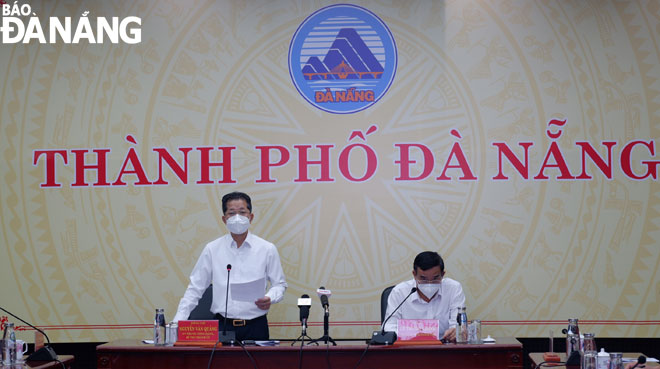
(255, 259)
(443, 306)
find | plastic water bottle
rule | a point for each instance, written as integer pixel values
(9, 349)
(159, 328)
(464, 323)
(572, 337)
(590, 355)
(458, 326)
(462, 327)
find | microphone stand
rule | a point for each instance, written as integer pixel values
(45, 353)
(303, 335)
(326, 336)
(224, 336)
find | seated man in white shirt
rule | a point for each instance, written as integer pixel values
(251, 259)
(436, 297)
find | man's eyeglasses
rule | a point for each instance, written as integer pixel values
(435, 280)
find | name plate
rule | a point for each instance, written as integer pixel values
(197, 332)
(418, 329)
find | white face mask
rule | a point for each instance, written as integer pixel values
(428, 289)
(238, 224)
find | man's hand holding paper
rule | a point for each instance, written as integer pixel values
(252, 291)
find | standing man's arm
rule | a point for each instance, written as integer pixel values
(275, 275)
(200, 279)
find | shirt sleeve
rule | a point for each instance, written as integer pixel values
(457, 301)
(275, 276)
(200, 279)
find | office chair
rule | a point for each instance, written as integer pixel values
(203, 309)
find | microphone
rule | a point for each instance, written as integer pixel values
(324, 294)
(45, 353)
(641, 360)
(224, 336)
(388, 338)
(304, 304)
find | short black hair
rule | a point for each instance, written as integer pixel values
(236, 196)
(427, 260)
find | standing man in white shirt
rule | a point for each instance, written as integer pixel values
(251, 258)
(436, 297)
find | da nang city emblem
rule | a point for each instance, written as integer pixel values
(342, 59)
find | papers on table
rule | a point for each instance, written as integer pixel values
(634, 359)
(248, 291)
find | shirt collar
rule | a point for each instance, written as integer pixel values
(247, 242)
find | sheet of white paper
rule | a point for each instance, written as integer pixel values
(248, 291)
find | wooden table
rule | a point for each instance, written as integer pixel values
(67, 360)
(537, 357)
(122, 354)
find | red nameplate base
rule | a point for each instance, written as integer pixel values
(550, 357)
(197, 333)
(418, 342)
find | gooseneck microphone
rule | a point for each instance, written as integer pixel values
(224, 336)
(388, 338)
(45, 353)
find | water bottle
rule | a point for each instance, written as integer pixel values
(159, 328)
(9, 349)
(464, 323)
(458, 325)
(462, 327)
(572, 337)
(590, 355)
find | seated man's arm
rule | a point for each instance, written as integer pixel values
(457, 300)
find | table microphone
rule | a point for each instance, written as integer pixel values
(388, 338)
(45, 353)
(641, 360)
(224, 336)
(323, 295)
(304, 304)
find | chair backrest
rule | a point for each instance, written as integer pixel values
(383, 302)
(203, 309)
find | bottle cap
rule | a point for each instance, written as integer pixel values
(489, 339)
